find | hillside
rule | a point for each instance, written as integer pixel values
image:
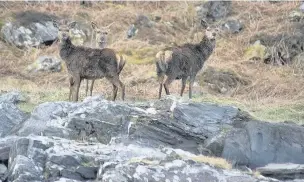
(268, 91)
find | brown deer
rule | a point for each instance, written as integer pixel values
(89, 63)
(185, 61)
(100, 40)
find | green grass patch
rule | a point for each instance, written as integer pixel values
(271, 113)
(144, 55)
(293, 113)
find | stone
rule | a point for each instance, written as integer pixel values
(259, 143)
(233, 26)
(283, 171)
(3, 170)
(24, 169)
(13, 97)
(214, 10)
(46, 63)
(87, 172)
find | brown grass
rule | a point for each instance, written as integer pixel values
(275, 87)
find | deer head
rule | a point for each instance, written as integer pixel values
(211, 31)
(100, 33)
(63, 28)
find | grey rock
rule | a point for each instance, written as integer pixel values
(115, 133)
(3, 170)
(283, 171)
(46, 63)
(259, 143)
(5, 146)
(31, 34)
(233, 26)
(65, 160)
(132, 31)
(143, 21)
(13, 97)
(214, 10)
(10, 114)
(87, 172)
(24, 169)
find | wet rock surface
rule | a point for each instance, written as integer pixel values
(150, 141)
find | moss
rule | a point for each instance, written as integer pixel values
(143, 161)
(255, 51)
(27, 107)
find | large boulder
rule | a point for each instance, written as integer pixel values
(44, 159)
(110, 141)
(257, 144)
(214, 10)
(46, 63)
(186, 126)
(283, 171)
(30, 29)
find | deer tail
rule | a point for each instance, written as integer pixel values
(121, 63)
(162, 59)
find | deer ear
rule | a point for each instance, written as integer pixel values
(204, 24)
(94, 25)
(72, 24)
(55, 23)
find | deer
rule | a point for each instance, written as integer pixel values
(185, 61)
(100, 41)
(89, 63)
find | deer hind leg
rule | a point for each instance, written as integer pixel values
(71, 82)
(168, 81)
(117, 83)
(91, 88)
(192, 78)
(184, 79)
(161, 81)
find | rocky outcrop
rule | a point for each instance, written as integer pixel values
(151, 141)
(30, 29)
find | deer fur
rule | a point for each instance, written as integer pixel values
(100, 42)
(90, 63)
(185, 61)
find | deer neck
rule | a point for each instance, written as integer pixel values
(66, 48)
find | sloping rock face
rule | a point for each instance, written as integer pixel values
(151, 141)
(257, 143)
(10, 115)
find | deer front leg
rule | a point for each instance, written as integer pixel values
(77, 81)
(91, 88)
(87, 87)
(71, 82)
(192, 78)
